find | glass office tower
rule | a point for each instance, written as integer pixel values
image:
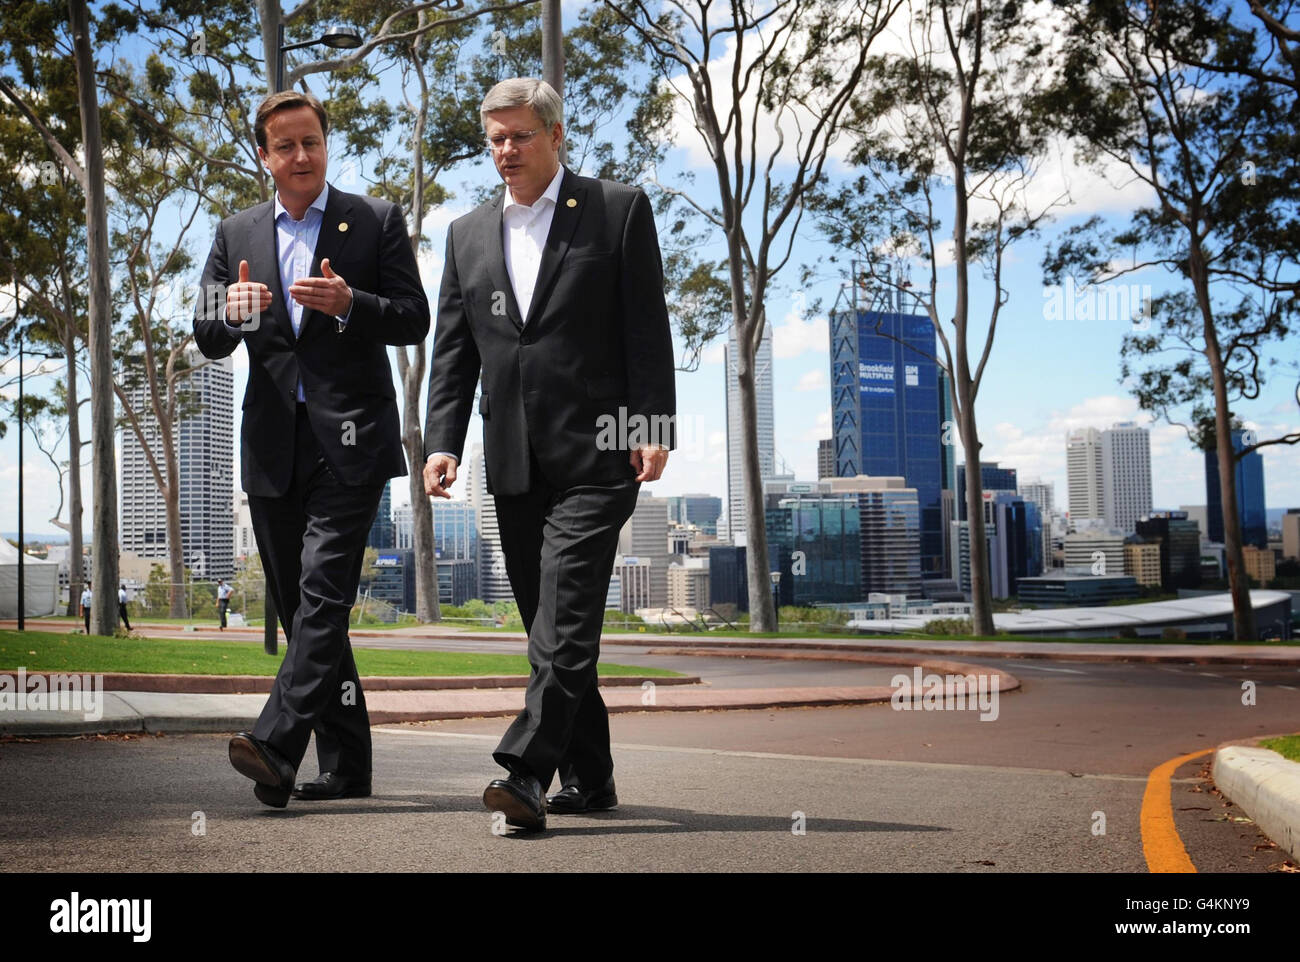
(1250, 495)
(887, 412)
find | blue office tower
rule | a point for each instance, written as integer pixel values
(1250, 495)
(887, 412)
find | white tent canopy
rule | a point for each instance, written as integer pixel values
(40, 584)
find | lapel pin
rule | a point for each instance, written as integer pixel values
(343, 226)
(571, 203)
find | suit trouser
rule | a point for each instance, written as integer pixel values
(312, 541)
(559, 547)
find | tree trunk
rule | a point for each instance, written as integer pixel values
(761, 614)
(427, 607)
(177, 607)
(103, 616)
(75, 573)
(1243, 615)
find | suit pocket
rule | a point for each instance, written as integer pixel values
(483, 406)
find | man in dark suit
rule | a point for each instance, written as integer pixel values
(553, 292)
(315, 284)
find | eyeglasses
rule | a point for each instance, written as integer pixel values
(520, 138)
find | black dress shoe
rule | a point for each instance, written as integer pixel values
(574, 800)
(264, 765)
(333, 785)
(521, 798)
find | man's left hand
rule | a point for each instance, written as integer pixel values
(649, 461)
(329, 294)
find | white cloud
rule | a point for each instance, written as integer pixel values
(814, 380)
(794, 335)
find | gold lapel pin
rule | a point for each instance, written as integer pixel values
(571, 202)
(343, 226)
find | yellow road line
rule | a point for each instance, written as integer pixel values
(1160, 842)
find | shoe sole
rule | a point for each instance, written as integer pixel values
(350, 793)
(269, 795)
(600, 805)
(249, 763)
(517, 813)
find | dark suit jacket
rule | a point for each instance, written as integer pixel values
(345, 376)
(597, 344)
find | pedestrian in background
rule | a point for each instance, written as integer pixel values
(121, 606)
(224, 591)
(87, 597)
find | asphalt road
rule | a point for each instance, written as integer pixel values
(878, 790)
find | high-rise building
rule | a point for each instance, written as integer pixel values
(1015, 542)
(455, 538)
(888, 414)
(645, 536)
(382, 533)
(205, 456)
(889, 520)
(701, 510)
(1199, 514)
(245, 540)
(493, 582)
(728, 578)
(1041, 493)
(993, 480)
(1180, 547)
(1291, 534)
(1084, 474)
(826, 458)
(735, 430)
(688, 584)
(816, 535)
(1095, 551)
(634, 575)
(1260, 564)
(1142, 561)
(1126, 475)
(1251, 509)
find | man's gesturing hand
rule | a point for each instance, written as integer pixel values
(244, 299)
(329, 294)
(439, 475)
(649, 462)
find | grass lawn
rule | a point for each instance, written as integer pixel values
(1287, 746)
(53, 652)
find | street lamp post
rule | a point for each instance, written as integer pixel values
(340, 38)
(776, 600)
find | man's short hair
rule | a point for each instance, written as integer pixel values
(286, 100)
(524, 92)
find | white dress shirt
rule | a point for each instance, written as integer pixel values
(523, 237)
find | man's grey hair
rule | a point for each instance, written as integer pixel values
(524, 92)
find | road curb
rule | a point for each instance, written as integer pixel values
(261, 684)
(1266, 786)
(193, 713)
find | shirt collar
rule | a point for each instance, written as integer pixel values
(317, 204)
(552, 193)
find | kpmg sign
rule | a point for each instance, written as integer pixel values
(388, 561)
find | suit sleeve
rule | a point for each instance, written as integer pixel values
(211, 335)
(647, 335)
(398, 313)
(454, 370)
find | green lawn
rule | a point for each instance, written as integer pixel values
(52, 652)
(1287, 746)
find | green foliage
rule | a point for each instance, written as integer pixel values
(949, 626)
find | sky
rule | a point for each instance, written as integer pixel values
(1046, 376)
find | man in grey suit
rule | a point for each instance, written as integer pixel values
(315, 284)
(553, 293)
